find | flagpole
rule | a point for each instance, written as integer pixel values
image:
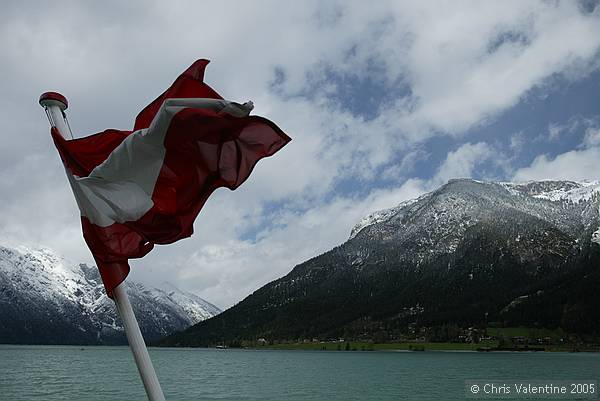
(55, 105)
(137, 344)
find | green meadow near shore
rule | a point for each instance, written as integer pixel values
(422, 346)
(425, 346)
(366, 346)
(500, 339)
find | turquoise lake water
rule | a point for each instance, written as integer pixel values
(108, 373)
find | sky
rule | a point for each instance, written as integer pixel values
(384, 101)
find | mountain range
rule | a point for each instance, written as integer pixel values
(468, 253)
(45, 299)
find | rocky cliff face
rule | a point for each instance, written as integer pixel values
(520, 253)
(45, 299)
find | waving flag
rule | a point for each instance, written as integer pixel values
(144, 187)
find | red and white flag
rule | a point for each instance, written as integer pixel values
(144, 187)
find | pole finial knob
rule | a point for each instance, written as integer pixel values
(54, 99)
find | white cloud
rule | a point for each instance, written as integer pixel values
(447, 65)
(554, 130)
(459, 82)
(461, 162)
(571, 127)
(579, 164)
(517, 142)
(592, 137)
(404, 169)
(572, 165)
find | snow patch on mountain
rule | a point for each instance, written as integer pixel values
(446, 216)
(379, 216)
(48, 275)
(556, 191)
(195, 307)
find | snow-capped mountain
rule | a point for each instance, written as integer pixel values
(49, 300)
(555, 191)
(436, 222)
(514, 253)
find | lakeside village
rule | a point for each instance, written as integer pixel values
(445, 337)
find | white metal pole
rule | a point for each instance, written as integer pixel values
(55, 105)
(137, 344)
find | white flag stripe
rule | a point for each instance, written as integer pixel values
(120, 188)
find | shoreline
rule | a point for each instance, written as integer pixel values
(425, 346)
(439, 347)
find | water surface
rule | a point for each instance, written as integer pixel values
(108, 373)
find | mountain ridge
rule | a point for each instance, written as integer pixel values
(452, 256)
(48, 300)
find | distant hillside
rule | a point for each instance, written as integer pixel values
(45, 299)
(510, 253)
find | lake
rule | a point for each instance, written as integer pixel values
(108, 373)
